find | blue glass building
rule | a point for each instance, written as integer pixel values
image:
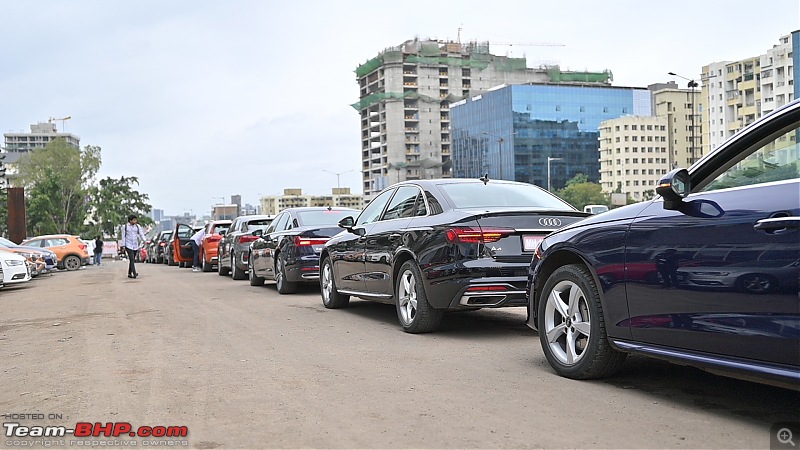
(511, 132)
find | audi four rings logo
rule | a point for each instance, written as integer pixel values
(550, 222)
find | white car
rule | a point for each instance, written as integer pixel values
(15, 268)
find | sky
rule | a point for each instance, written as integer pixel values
(206, 99)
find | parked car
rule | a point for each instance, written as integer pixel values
(734, 213)
(234, 247)
(16, 268)
(179, 254)
(430, 246)
(595, 209)
(160, 244)
(210, 245)
(71, 251)
(42, 259)
(288, 251)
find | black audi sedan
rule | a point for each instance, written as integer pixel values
(429, 246)
(288, 251)
(706, 274)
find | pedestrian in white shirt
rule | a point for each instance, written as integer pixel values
(131, 233)
(196, 241)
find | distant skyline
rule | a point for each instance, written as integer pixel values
(207, 99)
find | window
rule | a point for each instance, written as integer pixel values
(373, 210)
(279, 224)
(402, 204)
(634, 127)
(776, 160)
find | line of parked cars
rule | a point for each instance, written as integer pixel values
(19, 263)
(706, 274)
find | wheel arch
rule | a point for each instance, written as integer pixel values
(400, 258)
(555, 260)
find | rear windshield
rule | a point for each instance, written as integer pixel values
(316, 218)
(259, 224)
(479, 195)
(220, 228)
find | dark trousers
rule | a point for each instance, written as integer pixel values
(131, 258)
(196, 252)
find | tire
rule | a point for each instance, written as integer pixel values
(331, 298)
(236, 272)
(171, 261)
(281, 282)
(756, 283)
(221, 271)
(415, 313)
(572, 327)
(72, 262)
(206, 266)
(255, 280)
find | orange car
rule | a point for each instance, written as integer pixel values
(71, 251)
(181, 255)
(208, 250)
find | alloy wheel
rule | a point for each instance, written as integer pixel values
(567, 323)
(407, 297)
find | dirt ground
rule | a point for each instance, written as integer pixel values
(245, 367)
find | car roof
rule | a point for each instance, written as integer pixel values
(254, 217)
(51, 236)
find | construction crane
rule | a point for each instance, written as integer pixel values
(528, 44)
(63, 119)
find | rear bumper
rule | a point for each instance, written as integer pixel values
(303, 270)
(481, 283)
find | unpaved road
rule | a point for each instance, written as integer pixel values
(244, 367)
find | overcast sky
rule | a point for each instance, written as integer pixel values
(205, 99)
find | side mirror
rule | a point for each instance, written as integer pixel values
(673, 187)
(347, 223)
(222, 232)
(258, 233)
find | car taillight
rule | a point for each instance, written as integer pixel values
(214, 238)
(247, 238)
(488, 288)
(301, 241)
(162, 244)
(82, 246)
(470, 235)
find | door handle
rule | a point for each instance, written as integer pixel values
(774, 224)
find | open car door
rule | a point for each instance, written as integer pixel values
(180, 237)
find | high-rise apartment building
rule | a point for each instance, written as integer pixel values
(42, 133)
(634, 154)
(405, 94)
(294, 198)
(737, 93)
(677, 106)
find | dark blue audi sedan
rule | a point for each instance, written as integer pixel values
(706, 274)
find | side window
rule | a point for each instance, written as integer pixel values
(185, 231)
(234, 225)
(282, 222)
(373, 211)
(36, 243)
(776, 160)
(272, 225)
(402, 204)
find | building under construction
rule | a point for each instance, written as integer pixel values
(405, 95)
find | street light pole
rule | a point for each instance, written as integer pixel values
(692, 85)
(338, 174)
(549, 160)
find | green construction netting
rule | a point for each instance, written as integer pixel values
(557, 76)
(374, 99)
(429, 49)
(449, 61)
(369, 66)
(505, 64)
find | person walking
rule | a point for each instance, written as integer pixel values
(98, 250)
(196, 241)
(131, 233)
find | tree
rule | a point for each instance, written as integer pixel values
(580, 192)
(57, 179)
(114, 199)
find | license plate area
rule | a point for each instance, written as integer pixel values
(531, 241)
